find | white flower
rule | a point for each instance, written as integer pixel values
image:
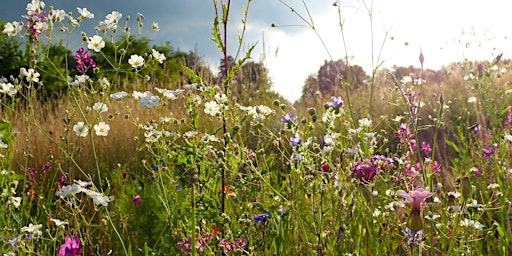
(81, 129)
(472, 100)
(470, 223)
(68, 190)
(365, 122)
(136, 61)
(58, 222)
(57, 15)
(406, 80)
(454, 194)
(155, 26)
(493, 186)
(32, 75)
(85, 13)
(221, 98)
(16, 201)
(101, 129)
(118, 95)
(146, 99)
(104, 83)
(12, 29)
(33, 229)
(212, 108)
(507, 137)
(170, 94)
(8, 89)
(82, 183)
(100, 107)
(35, 7)
(113, 18)
(95, 43)
(160, 57)
(97, 197)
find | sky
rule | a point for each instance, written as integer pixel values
(390, 32)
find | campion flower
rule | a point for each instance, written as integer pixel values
(8, 88)
(71, 247)
(84, 61)
(81, 129)
(416, 197)
(100, 107)
(33, 229)
(263, 217)
(136, 61)
(32, 76)
(155, 26)
(136, 200)
(84, 13)
(101, 129)
(95, 43)
(12, 29)
(118, 95)
(160, 57)
(169, 94)
(212, 108)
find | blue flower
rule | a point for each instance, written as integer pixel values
(336, 102)
(288, 118)
(295, 141)
(263, 217)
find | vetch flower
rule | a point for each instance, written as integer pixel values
(81, 129)
(71, 247)
(95, 43)
(101, 129)
(416, 197)
(263, 217)
(136, 61)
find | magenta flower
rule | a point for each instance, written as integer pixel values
(84, 61)
(72, 247)
(416, 197)
(136, 200)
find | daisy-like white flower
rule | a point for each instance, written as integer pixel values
(95, 43)
(472, 99)
(155, 26)
(221, 98)
(100, 107)
(32, 76)
(136, 61)
(118, 95)
(146, 99)
(33, 229)
(16, 201)
(35, 7)
(113, 17)
(160, 57)
(58, 222)
(57, 15)
(12, 29)
(101, 129)
(104, 83)
(81, 129)
(170, 94)
(212, 108)
(85, 13)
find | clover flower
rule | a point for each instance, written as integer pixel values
(71, 247)
(416, 197)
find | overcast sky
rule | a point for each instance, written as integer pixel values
(447, 31)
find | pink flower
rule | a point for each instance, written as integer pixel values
(72, 247)
(416, 197)
(136, 200)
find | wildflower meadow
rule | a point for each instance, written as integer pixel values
(112, 146)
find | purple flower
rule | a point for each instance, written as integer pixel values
(201, 242)
(412, 237)
(238, 244)
(72, 247)
(295, 141)
(336, 102)
(62, 181)
(263, 217)
(425, 148)
(366, 170)
(32, 172)
(136, 200)
(298, 158)
(45, 167)
(84, 61)
(487, 151)
(416, 197)
(288, 118)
